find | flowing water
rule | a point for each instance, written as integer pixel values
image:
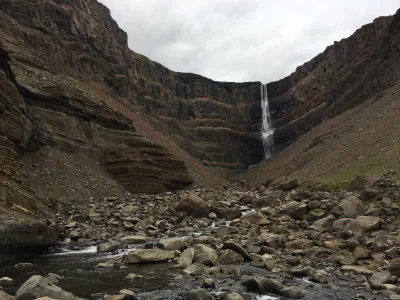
(266, 130)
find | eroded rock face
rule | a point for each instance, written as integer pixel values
(216, 122)
(346, 74)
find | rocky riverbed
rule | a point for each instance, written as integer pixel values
(277, 242)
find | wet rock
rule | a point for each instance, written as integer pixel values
(199, 294)
(186, 258)
(271, 285)
(5, 280)
(253, 285)
(320, 276)
(123, 297)
(193, 206)
(394, 267)
(292, 292)
(172, 244)
(230, 257)
(23, 265)
(107, 264)
(208, 283)
(253, 218)
(232, 296)
(378, 279)
(53, 278)
(205, 255)
(38, 286)
(230, 271)
(148, 256)
(127, 292)
(195, 269)
(133, 276)
(237, 248)
(133, 239)
(109, 246)
(352, 207)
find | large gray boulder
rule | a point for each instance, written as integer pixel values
(109, 246)
(205, 255)
(363, 224)
(362, 181)
(186, 258)
(352, 207)
(199, 294)
(38, 286)
(148, 256)
(25, 236)
(172, 244)
(193, 206)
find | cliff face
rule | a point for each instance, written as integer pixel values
(215, 122)
(348, 99)
(343, 76)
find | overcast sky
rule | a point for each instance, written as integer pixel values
(240, 40)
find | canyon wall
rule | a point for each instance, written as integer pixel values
(346, 74)
(216, 122)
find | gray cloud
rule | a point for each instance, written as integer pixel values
(240, 40)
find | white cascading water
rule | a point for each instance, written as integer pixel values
(266, 129)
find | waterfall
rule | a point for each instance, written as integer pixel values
(266, 129)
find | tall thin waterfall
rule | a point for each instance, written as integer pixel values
(266, 129)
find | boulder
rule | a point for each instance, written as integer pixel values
(232, 296)
(38, 286)
(186, 258)
(362, 181)
(271, 285)
(172, 244)
(378, 279)
(292, 292)
(133, 239)
(195, 269)
(323, 224)
(253, 218)
(148, 256)
(253, 285)
(5, 296)
(352, 207)
(193, 206)
(288, 185)
(361, 253)
(109, 246)
(299, 244)
(237, 248)
(230, 213)
(294, 209)
(199, 294)
(230, 257)
(205, 255)
(394, 267)
(363, 224)
(25, 236)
